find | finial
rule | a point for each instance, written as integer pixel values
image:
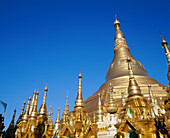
(35, 90)
(46, 89)
(80, 76)
(164, 42)
(118, 33)
(79, 103)
(67, 95)
(22, 111)
(116, 22)
(29, 99)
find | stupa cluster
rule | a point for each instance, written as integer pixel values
(125, 106)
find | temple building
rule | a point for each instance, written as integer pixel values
(130, 104)
(117, 75)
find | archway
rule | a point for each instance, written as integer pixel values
(131, 134)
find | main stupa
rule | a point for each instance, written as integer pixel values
(118, 78)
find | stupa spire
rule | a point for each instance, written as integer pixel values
(32, 102)
(58, 116)
(34, 109)
(43, 108)
(26, 114)
(66, 109)
(112, 107)
(22, 110)
(79, 103)
(121, 53)
(100, 111)
(133, 88)
(118, 34)
(164, 43)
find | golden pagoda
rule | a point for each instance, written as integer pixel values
(130, 110)
(35, 124)
(78, 124)
(117, 75)
(137, 118)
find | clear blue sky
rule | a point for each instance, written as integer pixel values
(53, 39)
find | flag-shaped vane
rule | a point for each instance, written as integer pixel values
(4, 104)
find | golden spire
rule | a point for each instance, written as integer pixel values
(117, 70)
(118, 34)
(112, 107)
(79, 103)
(26, 114)
(100, 111)
(23, 107)
(66, 109)
(34, 109)
(43, 108)
(58, 116)
(133, 88)
(32, 102)
(50, 119)
(49, 114)
(164, 43)
(57, 124)
(21, 114)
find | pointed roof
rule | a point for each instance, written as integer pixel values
(118, 76)
(58, 117)
(121, 53)
(43, 108)
(100, 112)
(133, 88)
(33, 115)
(112, 107)
(26, 114)
(21, 114)
(32, 102)
(66, 108)
(79, 103)
(164, 43)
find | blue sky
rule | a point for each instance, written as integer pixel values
(51, 40)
